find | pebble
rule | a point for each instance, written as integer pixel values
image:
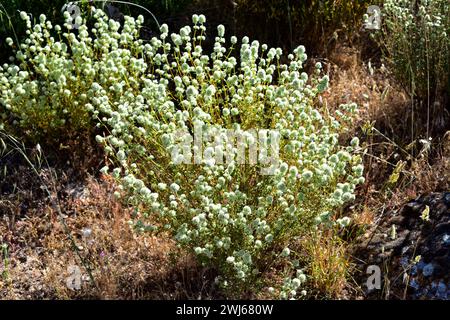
(413, 284)
(446, 239)
(428, 270)
(413, 271)
(447, 198)
(441, 287)
(404, 262)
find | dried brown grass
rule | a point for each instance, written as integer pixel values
(124, 264)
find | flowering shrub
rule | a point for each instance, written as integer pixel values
(11, 22)
(47, 96)
(45, 92)
(416, 37)
(144, 94)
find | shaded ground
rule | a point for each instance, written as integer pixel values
(412, 248)
(40, 255)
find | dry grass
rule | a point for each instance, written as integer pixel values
(124, 264)
(390, 138)
(399, 165)
(328, 267)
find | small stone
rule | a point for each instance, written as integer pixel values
(413, 284)
(447, 198)
(413, 271)
(441, 287)
(446, 239)
(428, 270)
(404, 262)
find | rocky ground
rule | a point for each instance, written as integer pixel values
(412, 248)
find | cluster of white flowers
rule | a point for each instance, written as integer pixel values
(144, 92)
(291, 286)
(415, 34)
(45, 89)
(431, 11)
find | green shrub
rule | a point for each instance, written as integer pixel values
(10, 21)
(48, 103)
(44, 94)
(150, 96)
(415, 34)
(228, 214)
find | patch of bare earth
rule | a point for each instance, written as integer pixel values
(45, 252)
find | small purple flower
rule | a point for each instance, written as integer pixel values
(441, 291)
(86, 233)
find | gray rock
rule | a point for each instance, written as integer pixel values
(428, 270)
(446, 239)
